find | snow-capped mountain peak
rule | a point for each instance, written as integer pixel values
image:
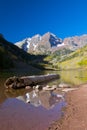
(50, 42)
(39, 43)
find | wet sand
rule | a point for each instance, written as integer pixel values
(75, 117)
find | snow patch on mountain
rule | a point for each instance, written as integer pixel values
(60, 45)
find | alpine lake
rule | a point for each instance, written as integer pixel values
(33, 109)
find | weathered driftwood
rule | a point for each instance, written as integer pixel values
(20, 82)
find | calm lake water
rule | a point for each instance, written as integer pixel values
(32, 109)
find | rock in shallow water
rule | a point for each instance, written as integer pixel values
(50, 87)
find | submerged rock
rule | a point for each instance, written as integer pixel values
(50, 87)
(64, 85)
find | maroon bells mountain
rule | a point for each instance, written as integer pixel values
(50, 42)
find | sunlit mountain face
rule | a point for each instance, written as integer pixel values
(40, 44)
(49, 42)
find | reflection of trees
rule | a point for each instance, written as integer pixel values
(2, 91)
(74, 77)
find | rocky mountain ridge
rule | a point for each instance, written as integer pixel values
(76, 42)
(50, 42)
(38, 43)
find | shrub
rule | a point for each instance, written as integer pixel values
(83, 62)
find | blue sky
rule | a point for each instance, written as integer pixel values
(24, 18)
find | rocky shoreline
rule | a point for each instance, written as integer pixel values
(75, 117)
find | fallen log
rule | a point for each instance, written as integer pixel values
(22, 82)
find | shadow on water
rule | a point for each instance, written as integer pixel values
(33, 108)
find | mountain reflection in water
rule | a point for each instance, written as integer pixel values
(35, 110)
(47, 99)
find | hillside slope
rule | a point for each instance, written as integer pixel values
(13, 57)
(66, 59)
(77, 59)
